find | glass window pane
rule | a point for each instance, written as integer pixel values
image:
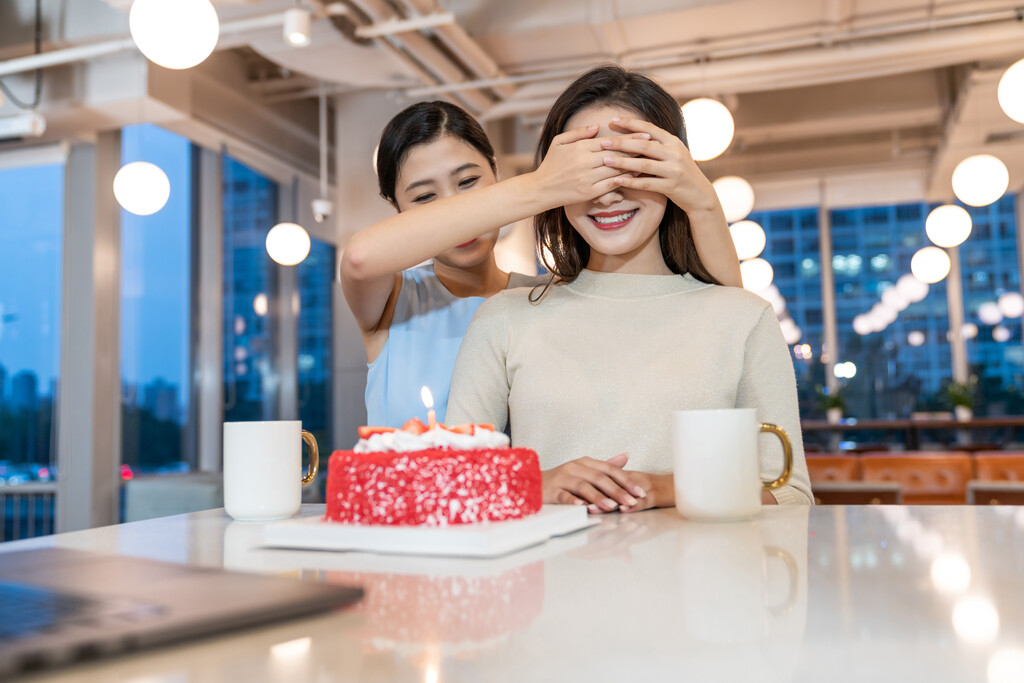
(894, 377)
(31, 232)
(316, 280)
(156, 311)
(792, 249)
(250, 292)
(989, 269)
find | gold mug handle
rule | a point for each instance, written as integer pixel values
(314, 458)
(787, 468)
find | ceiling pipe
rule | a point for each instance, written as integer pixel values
(80, 53)
(396, 26)
(935, 29)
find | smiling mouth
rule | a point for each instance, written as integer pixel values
(466, 244)
(612, 221)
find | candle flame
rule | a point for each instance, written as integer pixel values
(427, 397)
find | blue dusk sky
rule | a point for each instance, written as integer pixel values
(155, 275)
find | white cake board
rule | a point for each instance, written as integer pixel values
(487, 539)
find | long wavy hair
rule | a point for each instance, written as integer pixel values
(613, 86)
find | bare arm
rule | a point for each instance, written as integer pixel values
(570, 172)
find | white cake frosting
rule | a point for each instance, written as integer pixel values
(405, 442)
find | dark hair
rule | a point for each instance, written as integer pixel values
(612, 85)
(419, 124)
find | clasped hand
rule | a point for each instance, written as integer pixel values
(601, 485)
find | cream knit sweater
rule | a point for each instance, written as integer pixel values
(596, 367)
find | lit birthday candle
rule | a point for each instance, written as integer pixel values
(428, 401)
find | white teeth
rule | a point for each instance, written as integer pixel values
(618, 218)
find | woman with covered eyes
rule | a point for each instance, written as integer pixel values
(636, 325)
(413, 319)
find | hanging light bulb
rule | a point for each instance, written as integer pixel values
(141, 188)
(1011, 304)
(296, 27)
(709, 128)
(895, 299)
(175, 35)
(916, 338)
(948, 225)
(968, 330)
(736, 196)
(979, 180)
(756, 274)
(748, 238)
(1011, 92)
(288, 243)
(863, 325)
(1001, 334)
(912, 288)
(930, 264)
(989, 313)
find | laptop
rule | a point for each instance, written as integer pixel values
(59, 606)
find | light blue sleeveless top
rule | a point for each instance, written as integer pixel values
(426, 331)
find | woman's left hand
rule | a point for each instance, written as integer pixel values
(660, 488)
(662, 164)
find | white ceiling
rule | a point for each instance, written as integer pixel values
(817, 87)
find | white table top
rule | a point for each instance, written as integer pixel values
(821, 594)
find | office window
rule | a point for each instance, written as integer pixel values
(792, 257)
(893, 377)
(31, 235)
(989, 269)
(250, 295)
(315, 323)
(156, 312)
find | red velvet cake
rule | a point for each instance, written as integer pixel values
(435, 477)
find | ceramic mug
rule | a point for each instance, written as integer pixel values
(717, 465)
(262, 469)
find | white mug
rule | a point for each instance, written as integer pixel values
(262, 469)
(717, 467)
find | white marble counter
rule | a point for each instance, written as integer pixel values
(822, 594)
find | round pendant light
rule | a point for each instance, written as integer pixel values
(141, 188)
(748, 238)
(895, 299)
(863, 325)
(1001, 334)
(709, 128)
(912, 288)
(1011, 92)
(969, 330)
(979, 180)
(176, 34)
(736, 196)
(1011, 304)
(757, 274)
(989, 313)
(288, 243)
(948, 225)
(930, 264)
(916, 338)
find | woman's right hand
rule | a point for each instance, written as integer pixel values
(602, 485)
(574, 169)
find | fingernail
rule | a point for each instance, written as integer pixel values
(645, 136)
(609, 504)
(577, 501)
(616, 118)
(609, 160)
(606, 143)
(639, 492)
(593, 126)
(629, 500)
(593, 509)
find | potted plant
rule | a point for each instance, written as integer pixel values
(961, 397)
(831, 401)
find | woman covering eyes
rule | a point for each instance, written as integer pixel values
(412, 321)
(588, 371)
